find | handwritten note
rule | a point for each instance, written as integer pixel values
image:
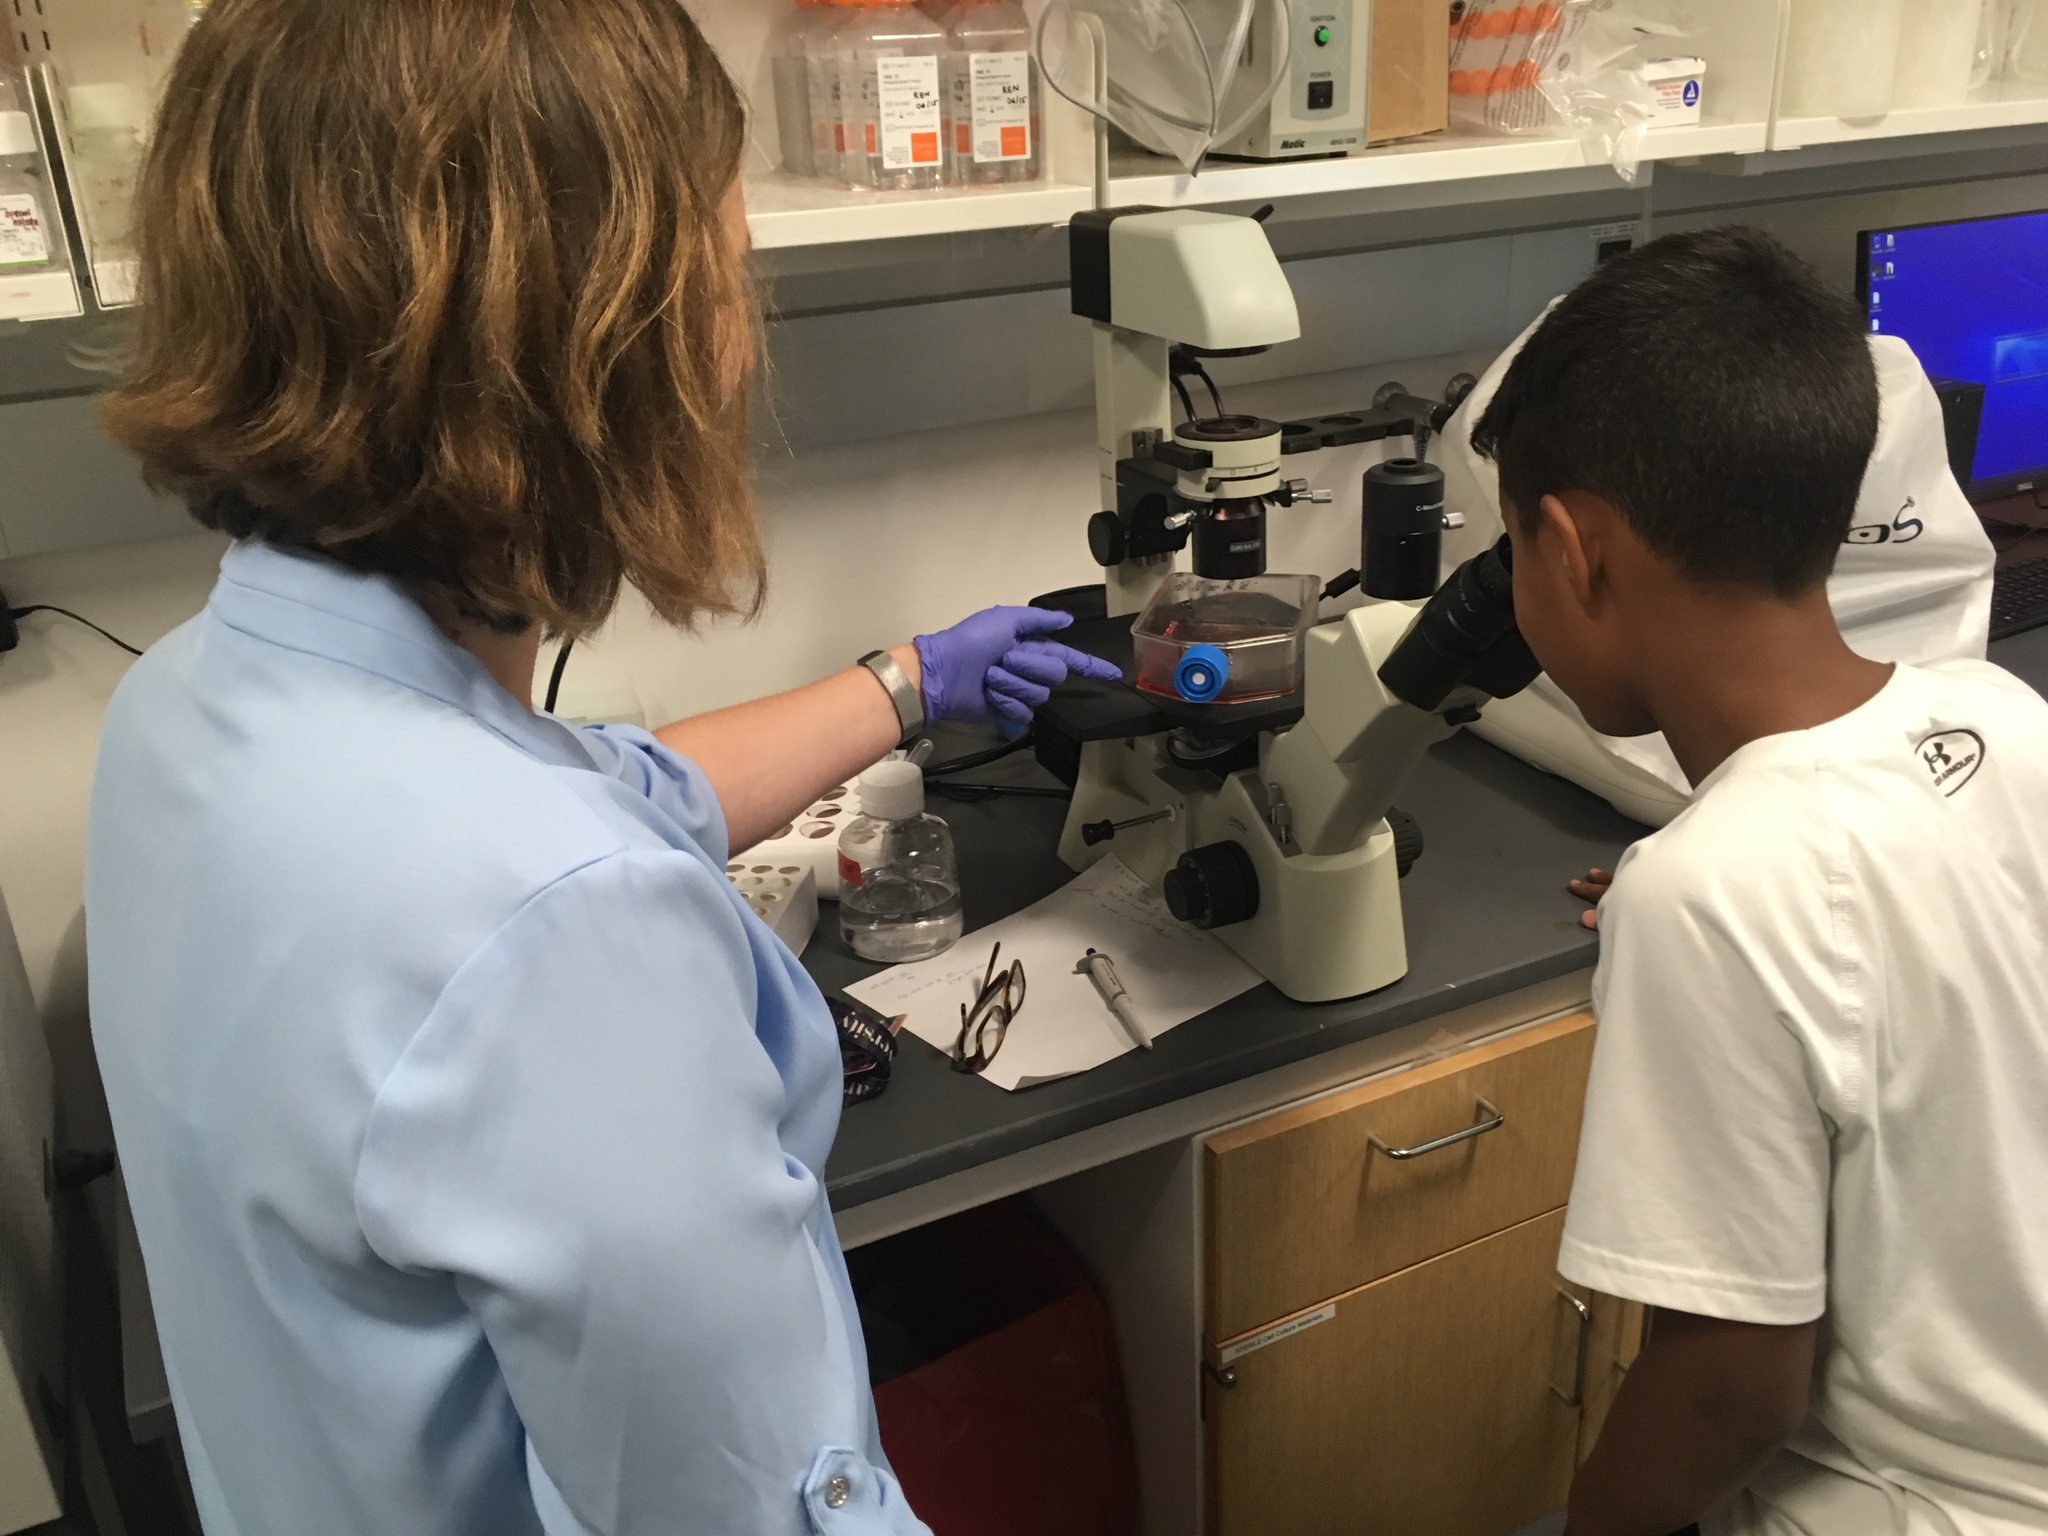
(1171, 971)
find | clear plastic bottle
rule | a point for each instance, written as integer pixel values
(899, 888)
(789, 64)
(824, 41)
(29, 242)
(893, 98)
(992, 94)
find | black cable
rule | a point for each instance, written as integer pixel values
(1339, 585)
(980, 759)
(1187, 403)
(76, 618)
(1215, 396)
(555, 677)
(972, 794)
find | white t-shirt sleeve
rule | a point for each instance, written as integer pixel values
(1704, 1162)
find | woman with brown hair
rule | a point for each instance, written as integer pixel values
(474, 1130)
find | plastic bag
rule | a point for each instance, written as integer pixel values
(1173, 65)
(1518, 68)
(1596, 84)
(1912, 583)
(1499, 52)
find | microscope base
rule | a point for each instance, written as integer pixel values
(1328, 925)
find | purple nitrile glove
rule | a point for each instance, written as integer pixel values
(996, 666)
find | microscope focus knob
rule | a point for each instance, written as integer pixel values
(1407, 841)
(1213, 886)
(1106, 540)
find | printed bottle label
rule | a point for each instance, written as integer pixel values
(903, 117)
(1000, 88)
(22, 241)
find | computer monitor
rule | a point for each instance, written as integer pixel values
(1971, 299)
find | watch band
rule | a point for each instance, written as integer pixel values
(902, 693)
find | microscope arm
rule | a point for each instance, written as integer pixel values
(1341, 768)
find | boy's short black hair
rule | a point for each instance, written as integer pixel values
(1714, 389)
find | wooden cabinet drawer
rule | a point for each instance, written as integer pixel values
(1306, 1203)
(1435, 1401)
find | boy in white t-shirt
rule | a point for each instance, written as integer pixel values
(1816, 1136)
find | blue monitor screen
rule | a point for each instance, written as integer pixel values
(1971, 299)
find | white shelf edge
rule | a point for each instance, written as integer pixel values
(784, 212)
(1789, 133)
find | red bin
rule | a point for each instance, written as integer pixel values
(1010, 1418)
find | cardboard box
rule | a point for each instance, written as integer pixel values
(1410, 69)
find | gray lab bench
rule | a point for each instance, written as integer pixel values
(1487, 912)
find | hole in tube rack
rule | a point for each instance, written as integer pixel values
(791, 869)
(818, 829)
(769, 898)
(837, 792)
(733, 869)
(786, 829)
(830, 810)
(764, 869)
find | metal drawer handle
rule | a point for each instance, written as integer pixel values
(1578, 1397)
(1494, 1122)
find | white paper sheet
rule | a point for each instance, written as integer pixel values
(1171, 971)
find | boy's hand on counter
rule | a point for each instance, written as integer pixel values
(1591, 888)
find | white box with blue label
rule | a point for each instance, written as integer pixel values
(1675, 87)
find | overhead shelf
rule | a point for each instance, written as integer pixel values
(785, 211)
(2011, 105)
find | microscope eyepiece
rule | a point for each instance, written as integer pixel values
(1464, 634)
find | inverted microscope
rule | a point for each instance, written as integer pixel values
(1248, 765)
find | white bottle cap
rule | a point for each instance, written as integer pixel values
(892, 790)
(17, 134)
(105, 104)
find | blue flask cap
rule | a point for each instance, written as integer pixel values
(1200, 673)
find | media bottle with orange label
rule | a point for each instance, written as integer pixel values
(992, 94)
(891, 97)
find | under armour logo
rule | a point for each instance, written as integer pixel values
(1952, 757)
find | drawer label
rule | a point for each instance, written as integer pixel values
(1277, 1332)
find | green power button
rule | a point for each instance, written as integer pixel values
(1323, 35)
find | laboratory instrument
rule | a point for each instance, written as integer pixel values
(1967, 297)
(1321, 49)
(1247, 768)
(899, 884)
(1171, 74)
(1101, 971)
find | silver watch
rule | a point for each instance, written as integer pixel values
(902, 692)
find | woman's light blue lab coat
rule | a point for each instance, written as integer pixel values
(474, 1127)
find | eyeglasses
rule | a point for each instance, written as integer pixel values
(985, 1025)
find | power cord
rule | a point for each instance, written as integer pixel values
(10, 635)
